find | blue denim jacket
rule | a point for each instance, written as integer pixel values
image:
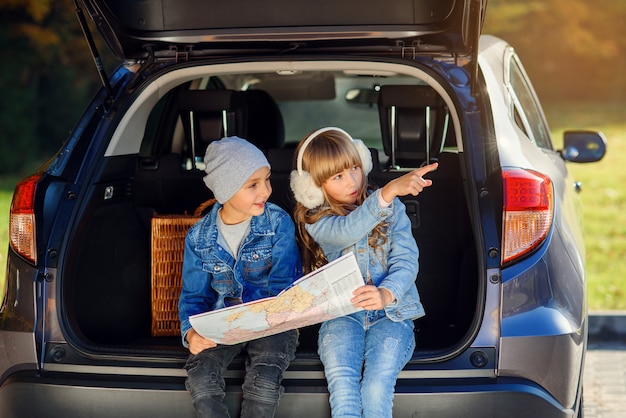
(397, 269)
(268, 262)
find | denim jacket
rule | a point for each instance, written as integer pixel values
(268, 262)
(394, 270)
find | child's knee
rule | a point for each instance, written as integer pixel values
(262, 382)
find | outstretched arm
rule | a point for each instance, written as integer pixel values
(411, 183)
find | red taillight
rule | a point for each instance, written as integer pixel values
(22, 218)
(527, 211)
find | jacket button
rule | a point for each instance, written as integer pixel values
(216, 268)
(255, 257)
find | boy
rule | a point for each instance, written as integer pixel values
(244, 249)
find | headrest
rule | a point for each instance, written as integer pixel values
(265, 125)
(209, 115)
(412, 96)
(411, 121)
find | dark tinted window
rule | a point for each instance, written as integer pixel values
(528, 112)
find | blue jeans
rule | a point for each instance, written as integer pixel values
(363, 354)
(267, 359)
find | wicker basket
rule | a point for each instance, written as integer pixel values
(168, 247)
(168, 243)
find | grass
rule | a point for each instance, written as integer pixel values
(603, 199)
(6, 192)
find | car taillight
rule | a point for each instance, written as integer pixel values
(527, 211)
(22, 218)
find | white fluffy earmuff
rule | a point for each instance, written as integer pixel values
(366, 156)
(302, 185)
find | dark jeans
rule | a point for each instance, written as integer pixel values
(267, 359)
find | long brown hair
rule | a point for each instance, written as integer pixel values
(326, 155)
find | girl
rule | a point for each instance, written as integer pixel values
(335, 213)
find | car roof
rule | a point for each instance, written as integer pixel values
(138, 29)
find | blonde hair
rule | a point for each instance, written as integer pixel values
(326, 155)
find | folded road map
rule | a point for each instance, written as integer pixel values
(317, 297)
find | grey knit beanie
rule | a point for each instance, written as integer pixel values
(229, 163)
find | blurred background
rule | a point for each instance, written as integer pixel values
(573, 51)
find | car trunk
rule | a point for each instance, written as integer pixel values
(108, 282)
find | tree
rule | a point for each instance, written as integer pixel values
(46, 76)
(571, 48)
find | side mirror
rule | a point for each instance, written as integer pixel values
(583, 146)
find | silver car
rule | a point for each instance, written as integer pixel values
(87, 324)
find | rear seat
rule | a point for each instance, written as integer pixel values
(439, 219)
(413, 122)
(264, 125)
(165, 184)
(266, 130)
(172, 183)
(207, 116)
(281, 160)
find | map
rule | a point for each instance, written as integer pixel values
(317, 297)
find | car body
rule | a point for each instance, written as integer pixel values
(502, 272)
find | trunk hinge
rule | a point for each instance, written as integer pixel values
(181, 56)
(408, 52)
(416, 48)
(94, 53)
